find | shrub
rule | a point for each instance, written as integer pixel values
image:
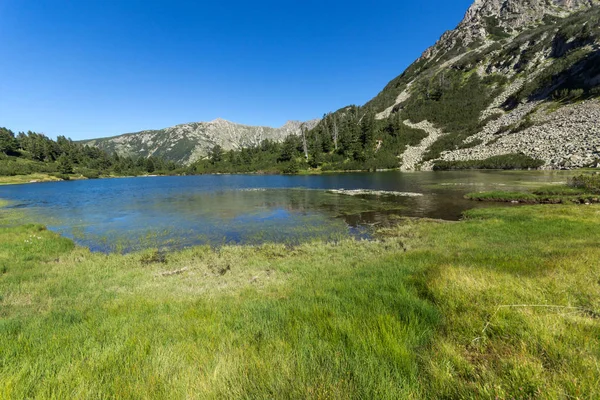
(506, 161)
(153, 257)
(89, 173)
(291, 168)
(589, 183)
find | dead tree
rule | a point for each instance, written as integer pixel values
(335, 133)
(304, 144)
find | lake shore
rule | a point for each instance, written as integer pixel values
(40, 178)
(501, 304)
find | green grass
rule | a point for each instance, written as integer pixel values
(420, 313)
(581, 189)
(589, 183)
(533, 198)
(19, 179)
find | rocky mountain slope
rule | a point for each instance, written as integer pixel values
(187, 143)
(515, 76)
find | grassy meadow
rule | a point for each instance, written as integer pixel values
(502, 305)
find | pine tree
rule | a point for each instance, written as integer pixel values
(64, 165)
(367, 135)
(8, 143)
(215, 155)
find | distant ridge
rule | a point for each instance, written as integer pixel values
(189, 142)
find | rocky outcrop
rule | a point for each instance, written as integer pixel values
(187, 143)
(509, 17)
(412, 156)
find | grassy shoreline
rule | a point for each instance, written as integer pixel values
(430, 310)
(581, 189)
(42, 178)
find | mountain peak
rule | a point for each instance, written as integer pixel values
(497, 19)
(219, 120)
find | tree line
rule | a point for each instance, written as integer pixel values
(349, 139)
(30, 152)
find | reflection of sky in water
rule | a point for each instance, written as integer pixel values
(169, 212)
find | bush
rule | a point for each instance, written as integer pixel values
(291, 168)
(89, 173)
(506, 161)
(568, 94)
(589, 183)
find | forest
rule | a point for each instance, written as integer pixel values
(31, 152)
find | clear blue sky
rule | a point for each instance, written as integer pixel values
(91, 68)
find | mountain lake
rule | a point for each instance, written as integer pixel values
(129, 214)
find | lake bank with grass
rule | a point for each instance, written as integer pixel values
(579, 189)
(503, 304)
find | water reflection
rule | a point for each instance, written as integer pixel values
(169, 212)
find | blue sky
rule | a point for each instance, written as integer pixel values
(91, 68)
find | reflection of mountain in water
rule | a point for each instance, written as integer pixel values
(235, 203)
(173, 212)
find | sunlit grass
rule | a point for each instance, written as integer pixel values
(19, 179)
(427, 311)
(550, 194)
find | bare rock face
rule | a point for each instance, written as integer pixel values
(187, 143)
(509, 16)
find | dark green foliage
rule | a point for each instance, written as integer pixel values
(450, 100)
(64, 166)
(29, 153)
(589, 183)
(471, 144)
(453, 101)
(494, 29)
(291, 168)
(363, 143)
(566, 95)
(570, 37)
(507, 161)
(568, 78)
(8, 142)
(215, 155)
(469, 61)
(89, 173)
(387, 97)
(289, 148)
(550, 19)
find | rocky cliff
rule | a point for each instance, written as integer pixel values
(187, 143)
